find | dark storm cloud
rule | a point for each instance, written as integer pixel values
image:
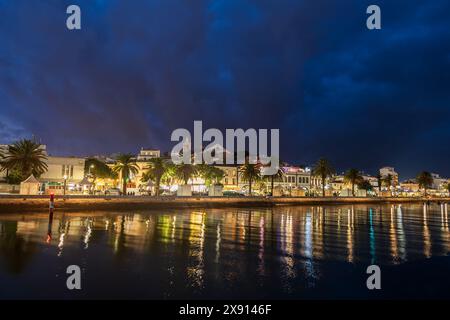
(139, 69)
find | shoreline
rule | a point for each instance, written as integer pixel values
(15, 203)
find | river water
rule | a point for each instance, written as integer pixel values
(284, 252)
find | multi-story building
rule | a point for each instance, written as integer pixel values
(295, 177)
(386, 171)
(146, 154)
(439, 183)
(63, 171)
(410, 186)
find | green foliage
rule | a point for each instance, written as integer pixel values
(26, 157)
(184, 172)
(98, 169)
(155, 171)
(387, 180)
(353, 176)
(210, 174)
(364, 185)
(323, 169)
(425, 180)
(250, 173)
(14, 177)
(125, 166)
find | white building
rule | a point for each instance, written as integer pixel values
(385, 171)
(438, 182)
(147, 154)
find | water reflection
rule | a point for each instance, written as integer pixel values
(221, 247)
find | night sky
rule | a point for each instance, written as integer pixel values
(140, 69)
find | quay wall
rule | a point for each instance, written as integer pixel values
(29, 204)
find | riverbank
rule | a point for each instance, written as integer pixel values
(15, 203)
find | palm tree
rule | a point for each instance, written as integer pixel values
(323, 169)
(250, 173)
(155, 171)
(277, 176)
(379, 181)
(170, 175)
(26, 157)
(184, 172)
(353, 176)
(211, 175)
(388, 180)
(95, 168)
(425, 180)
(364, 185)
(125, 166)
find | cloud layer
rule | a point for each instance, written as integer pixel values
(139, 69)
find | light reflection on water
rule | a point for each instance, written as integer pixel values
(165, 253)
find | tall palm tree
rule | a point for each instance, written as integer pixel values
(250, 173)
(425, 180)
(125, 166)
(184, 172)
(211, 174)
(353, 176)
(323, 169)
(26, 157)
(155, 171)
(379, 181)
(387, 180)
(277, 176)
(170, 175)
(95, 168)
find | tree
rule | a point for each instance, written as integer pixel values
(155, 172)
(364, 185)
(323, 169)
(97, 169)
(26, 157)
(184, 172)
(425, 180)
(14, 177)
(211, 175)
(170, 175)
(277, 176)
(387, 180)
(250, 173)
(379, 181)
(125, 166)
(353, 176)
(448, 188)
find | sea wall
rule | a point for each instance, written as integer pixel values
(15, 203)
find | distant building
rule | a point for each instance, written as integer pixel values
(438, 182)
(410, 185)
(147, 154)
(296, 177)
(385, 171)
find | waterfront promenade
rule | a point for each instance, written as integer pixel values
(26, 203)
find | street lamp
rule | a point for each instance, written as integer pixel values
(65, 183)
(92, 166)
